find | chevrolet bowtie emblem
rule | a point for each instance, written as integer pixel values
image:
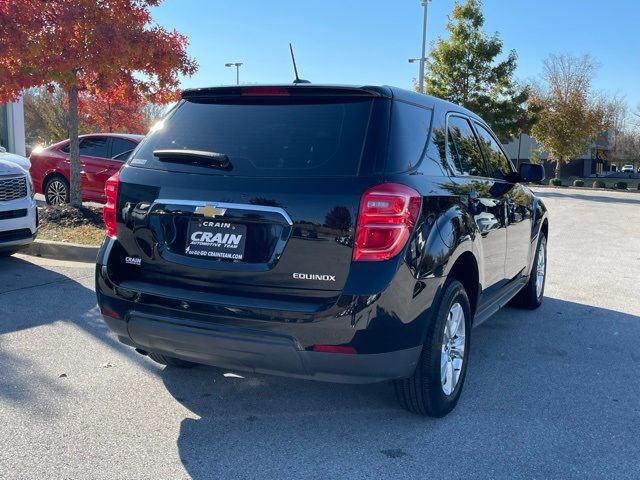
(210, 211)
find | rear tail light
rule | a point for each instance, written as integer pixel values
(109, 210)
(386, 218)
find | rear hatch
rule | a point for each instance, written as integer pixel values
(251, 190)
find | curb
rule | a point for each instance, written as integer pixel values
(61, 251)
(592, 189)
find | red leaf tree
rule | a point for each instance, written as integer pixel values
(89, 46)
(112, 111)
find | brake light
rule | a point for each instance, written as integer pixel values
(109, 210)
(386, 218)
(264, 92)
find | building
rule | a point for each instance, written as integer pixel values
(592, 163)
(12, 127)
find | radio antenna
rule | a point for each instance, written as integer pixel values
(295, 68)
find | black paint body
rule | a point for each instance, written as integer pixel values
(255, 315)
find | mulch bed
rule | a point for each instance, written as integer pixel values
(71, 225)
(65, 216)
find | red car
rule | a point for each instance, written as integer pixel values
(101, 155)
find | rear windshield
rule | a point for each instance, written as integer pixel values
(296, 138)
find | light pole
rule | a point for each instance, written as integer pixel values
(425, 5)
(421, 73)
(237, 65)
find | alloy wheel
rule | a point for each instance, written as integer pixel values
(540, 268)
(57, 193)
(452, 353)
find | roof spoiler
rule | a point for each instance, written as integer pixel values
(285, 91)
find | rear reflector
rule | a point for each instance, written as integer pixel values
(109, 210)
(109, 313)
(386, 218)
(334, 349)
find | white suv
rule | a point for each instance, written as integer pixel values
(18, 211)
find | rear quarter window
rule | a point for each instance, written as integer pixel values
(408, 138)
(281, 137)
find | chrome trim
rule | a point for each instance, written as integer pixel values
(232, 206)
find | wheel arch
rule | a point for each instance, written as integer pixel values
(49, 175)
(545, 228)
(465, 270)
(540, 219)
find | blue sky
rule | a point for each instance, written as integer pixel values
(358, 41)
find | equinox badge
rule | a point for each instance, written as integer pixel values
(211, 211)
(314, 276)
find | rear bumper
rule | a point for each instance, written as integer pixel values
(257, 351)
(273, 334)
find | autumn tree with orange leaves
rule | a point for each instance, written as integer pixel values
(105, 48)
(113, 111)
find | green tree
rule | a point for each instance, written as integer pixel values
(571, 115)
(535, 155)
(465, 69)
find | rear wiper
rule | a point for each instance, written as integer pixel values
(195, 157)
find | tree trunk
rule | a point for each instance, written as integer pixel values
(75, 192)
(558, 167)
(109, 116)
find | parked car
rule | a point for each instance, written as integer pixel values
(101, 155)
(18, 212)
(347, 234)
(627, 169)
(14, 158)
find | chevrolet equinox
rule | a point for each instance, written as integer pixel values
(337, 233)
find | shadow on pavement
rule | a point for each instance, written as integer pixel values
(535, 375)
(590, 198)
(29, 306)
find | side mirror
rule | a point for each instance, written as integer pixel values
(531, 172)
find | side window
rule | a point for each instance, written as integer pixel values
(464, 151)
(120, 146)
(409, 130)
(498, 162)
(94, 147)
(65, 148)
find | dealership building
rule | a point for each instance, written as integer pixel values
(592, 163)
(12, 127)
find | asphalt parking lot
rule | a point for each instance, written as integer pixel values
(553, 393)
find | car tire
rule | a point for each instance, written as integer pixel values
(531, 295)
(56, 190)
(170, 361)
(434, 389)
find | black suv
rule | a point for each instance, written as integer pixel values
(347, 234)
